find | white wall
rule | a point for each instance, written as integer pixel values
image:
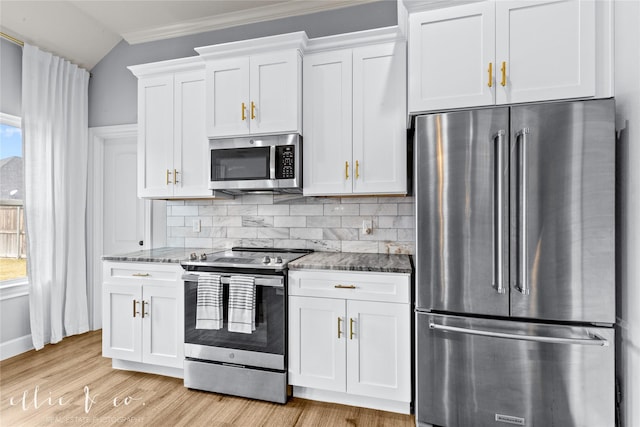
(627, 89)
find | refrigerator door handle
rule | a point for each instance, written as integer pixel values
(594, 340)
(498, 206)
(523, 286)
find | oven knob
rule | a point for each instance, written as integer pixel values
(203, 257)
(278, 260)
(193, 256)
(266, 260)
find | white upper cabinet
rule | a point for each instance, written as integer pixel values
(227, 97)
(254, 86)
(354, 117)
(379, 161)
(172, 141)
(450, 51)
(327, 122)
(546, 49)
(504, 52)
(155, 136)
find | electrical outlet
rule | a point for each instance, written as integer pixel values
(196, 225)
(367, 227)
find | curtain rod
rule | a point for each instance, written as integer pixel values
(12, 39)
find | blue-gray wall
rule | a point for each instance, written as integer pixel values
(10, 78)
(112, 88)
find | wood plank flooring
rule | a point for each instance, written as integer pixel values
(70, 384)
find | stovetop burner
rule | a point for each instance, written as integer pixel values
(245, 258)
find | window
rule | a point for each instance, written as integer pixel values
(13, 251)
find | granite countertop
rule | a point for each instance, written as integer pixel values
(165, 255)
(353, 262)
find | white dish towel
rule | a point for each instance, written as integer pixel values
(209, 302)
(242, 304)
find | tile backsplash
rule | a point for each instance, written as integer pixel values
(320, 223)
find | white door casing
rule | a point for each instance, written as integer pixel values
(127, 212)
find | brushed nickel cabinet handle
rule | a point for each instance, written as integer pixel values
(144, 312)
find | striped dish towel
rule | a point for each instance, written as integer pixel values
(209, 303)
(242, 304)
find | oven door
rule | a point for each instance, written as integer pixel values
(264, 347)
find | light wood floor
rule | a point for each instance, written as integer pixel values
(70, 383)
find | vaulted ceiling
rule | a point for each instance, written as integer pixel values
(84, 31)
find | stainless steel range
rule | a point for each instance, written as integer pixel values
(235, 322)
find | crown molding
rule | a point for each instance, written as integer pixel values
(190, 63)
(226, 20)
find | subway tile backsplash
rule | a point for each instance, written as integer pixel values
(320, 223)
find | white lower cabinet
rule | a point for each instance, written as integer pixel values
(351, 345)
(143, 315)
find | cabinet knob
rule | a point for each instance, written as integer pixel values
(140, 242)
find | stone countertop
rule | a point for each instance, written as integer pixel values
(353, 262)
(162, 255)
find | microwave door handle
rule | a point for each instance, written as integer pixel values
(272, 162)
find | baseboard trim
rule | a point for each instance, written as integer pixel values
(15, 347)
(127, 365)
(352, 400)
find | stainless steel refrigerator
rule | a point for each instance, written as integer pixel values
(515, 266)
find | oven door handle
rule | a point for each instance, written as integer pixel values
(274, 282)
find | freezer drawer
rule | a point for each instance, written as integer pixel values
(473, 372)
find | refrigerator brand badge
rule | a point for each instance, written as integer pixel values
(509, 419)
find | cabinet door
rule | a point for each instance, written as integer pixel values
(227, 93)
(191, 146)
(275, 93)
(450, 51)
(379, 350)
(317, 343)
(548, 47)
(327, 123)
(163, 326)
(379, 132)
(121, 321)
(155, 138)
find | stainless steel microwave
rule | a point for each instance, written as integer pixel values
(260, 163)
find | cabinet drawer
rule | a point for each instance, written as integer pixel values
(385, 287)
(129, 272)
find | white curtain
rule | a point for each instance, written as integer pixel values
(55, 125)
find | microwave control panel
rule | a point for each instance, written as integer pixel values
(285, 162)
